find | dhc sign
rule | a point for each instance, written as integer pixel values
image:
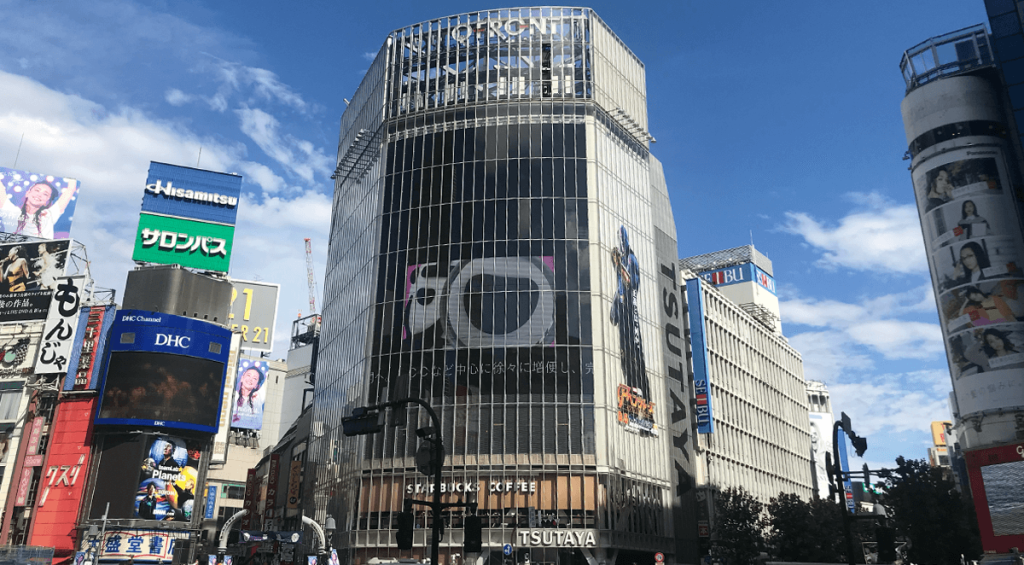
(745, 273)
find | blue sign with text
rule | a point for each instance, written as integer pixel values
(211, 500)
(184, 192)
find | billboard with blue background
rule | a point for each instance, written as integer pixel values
(35, 204)
(701, 363)
(163, 371)
(198, 194)
(745, 273)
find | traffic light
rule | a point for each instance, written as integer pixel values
(473, 534)
(886, 539)
(830, 470)
(404, 535)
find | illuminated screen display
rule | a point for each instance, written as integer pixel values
(1005, 498)
(161, 389)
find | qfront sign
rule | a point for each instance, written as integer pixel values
(175, 241)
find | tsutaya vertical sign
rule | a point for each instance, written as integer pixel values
(701, 363)
(59, 330)
(673, 347)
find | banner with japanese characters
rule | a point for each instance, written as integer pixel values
(189, 243)
(29, 273)
(59, 330)
(150, 545)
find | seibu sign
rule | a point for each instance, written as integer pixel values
(557, 538)
(493, 487)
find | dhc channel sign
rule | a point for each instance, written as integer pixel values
(747, 272)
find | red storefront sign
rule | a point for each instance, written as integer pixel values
(63, 475)
(35, 435)
(994, 475)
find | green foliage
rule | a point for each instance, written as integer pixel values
(805, 531)
(928, 511)
(737, 537)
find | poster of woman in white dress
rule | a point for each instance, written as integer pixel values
(36, 205)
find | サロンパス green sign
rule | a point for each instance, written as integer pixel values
(175, 241)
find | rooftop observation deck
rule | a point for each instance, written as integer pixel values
(954, 53)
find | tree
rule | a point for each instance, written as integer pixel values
(927, 510)
(804, 531)
(737, 536)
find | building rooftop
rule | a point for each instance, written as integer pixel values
(958, 52)
(727, 258)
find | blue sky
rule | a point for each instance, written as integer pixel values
(778, 121)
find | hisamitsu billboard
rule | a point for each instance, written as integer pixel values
(198, 194)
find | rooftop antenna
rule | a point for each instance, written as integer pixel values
(200, 156)
(18, 154)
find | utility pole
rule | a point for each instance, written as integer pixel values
(860, 444)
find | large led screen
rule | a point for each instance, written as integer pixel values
(161, 389)
(35, 204)
(167, 481)
(250, 394)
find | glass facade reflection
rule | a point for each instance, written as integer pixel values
(493, 252)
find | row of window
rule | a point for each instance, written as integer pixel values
(483, 222)
(514, 141)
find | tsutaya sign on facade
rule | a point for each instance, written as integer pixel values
(494, 487)
(557, 538)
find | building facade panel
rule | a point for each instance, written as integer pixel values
(493, 252)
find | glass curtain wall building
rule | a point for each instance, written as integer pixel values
(502, 246)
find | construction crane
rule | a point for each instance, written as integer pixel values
(310, 276)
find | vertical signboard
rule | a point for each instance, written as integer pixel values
(273, 480)
(86, 355)
(701, 363)
(35, 204)
(821, 443)
(294, 484)
(60, 326)
(250, 394)
(249, 501)
(254, 313)
(211, 501)
(220, 439)
(63, 478)
(673, 350)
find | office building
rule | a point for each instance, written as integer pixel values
(754, 433)
(503, 248)
(959, 114)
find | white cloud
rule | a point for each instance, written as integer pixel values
(175, 97)
(370, 55)
(881, 236)
(298, 156)
(109, 152)
(884, 403)
(234, 77)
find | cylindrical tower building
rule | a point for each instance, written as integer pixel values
(502, 246)
(967, 186)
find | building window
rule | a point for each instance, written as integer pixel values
(9, 401)
(234, 492)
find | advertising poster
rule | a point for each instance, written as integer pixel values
(60, 326)
(703, 412)
(189, 243)
(635, 408)
(220, 439)
(254, 313)
(976, 252)
(821, 443)
(311, 559)
(30, 274)
(36, 205)
(167, 482)
(250, 394)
